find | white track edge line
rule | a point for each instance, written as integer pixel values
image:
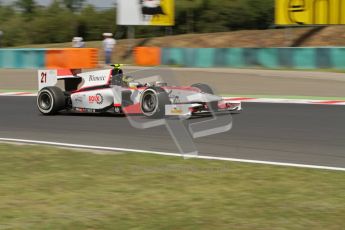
(58, 144)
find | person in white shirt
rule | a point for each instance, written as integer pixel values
(108, 46)
(77, 42)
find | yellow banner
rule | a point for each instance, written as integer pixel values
(309, 12)
(167, 18)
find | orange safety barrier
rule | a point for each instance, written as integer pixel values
(71, 58)
(147, 56)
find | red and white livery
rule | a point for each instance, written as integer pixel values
(109, 91)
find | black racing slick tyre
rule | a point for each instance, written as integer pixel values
(153, 101)
(51, 100)
(207, 89)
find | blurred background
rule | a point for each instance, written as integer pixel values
(30, 23)
(55, 21)
(196, 24)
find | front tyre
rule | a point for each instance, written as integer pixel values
(153, 101)
(51, 100)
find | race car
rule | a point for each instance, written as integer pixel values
(109, 90)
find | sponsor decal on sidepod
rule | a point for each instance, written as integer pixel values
(98, 98)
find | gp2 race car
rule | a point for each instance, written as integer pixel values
(110, 90)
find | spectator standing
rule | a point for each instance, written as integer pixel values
(108, 46)
(78, 42)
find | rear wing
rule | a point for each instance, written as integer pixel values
(50, 77)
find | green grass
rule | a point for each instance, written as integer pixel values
(49, 188)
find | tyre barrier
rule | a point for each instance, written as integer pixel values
(71, 58)
(272, 58)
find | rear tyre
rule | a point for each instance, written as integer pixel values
(51, 100)
(153, 101)
(207, 89)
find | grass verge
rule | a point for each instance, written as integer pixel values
(50, 188)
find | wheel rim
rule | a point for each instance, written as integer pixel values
(149, 102)
(45, 101)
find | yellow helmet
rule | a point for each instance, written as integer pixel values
(117, 66)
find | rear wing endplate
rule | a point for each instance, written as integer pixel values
(50, 77)
(47, 78)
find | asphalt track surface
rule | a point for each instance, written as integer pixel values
(287, 133)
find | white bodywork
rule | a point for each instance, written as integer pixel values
(95, 93)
